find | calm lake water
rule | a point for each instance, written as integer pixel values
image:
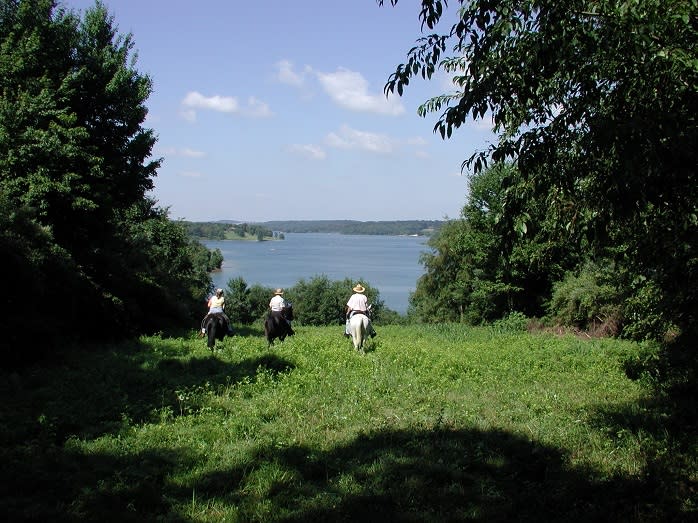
(388, 263)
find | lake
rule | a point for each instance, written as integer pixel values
(388, 263)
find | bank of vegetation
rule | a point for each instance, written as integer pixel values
(580, 217)
(316, 301)
(230, 231)
(386, 227)
(224, 230)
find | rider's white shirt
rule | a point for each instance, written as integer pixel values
(358, 302)
(277, 303)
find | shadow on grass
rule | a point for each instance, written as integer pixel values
(394, 475)
(94, 393)
(438, 474)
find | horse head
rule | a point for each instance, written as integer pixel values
(288, 311)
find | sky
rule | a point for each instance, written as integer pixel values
(275, 110)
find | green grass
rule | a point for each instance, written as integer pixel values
(434, 423)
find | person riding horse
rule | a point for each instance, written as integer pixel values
(216, 305)
(358, 304)
(278, 307)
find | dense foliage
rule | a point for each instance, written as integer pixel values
(87, 252)
(476, 274)
(227, 231)
(316, 301)
(596, 104)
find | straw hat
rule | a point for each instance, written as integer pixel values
(279, 291)
(359, 288)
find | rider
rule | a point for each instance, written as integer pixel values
(216, 305)
(278, 306)
(358, 304)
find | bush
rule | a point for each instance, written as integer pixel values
(245, 304)
(317, 301)
(643, 312)
(587, 301)
(321, 301)
(512, 322)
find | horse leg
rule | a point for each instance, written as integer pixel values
(362, 335)
(211, 335)
(357, 333)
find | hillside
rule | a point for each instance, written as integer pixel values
(434, 423)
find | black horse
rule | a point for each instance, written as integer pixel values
(216, 326)
(276, 325)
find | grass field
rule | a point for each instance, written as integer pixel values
(434, 423)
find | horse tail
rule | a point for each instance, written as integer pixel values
(358, 326)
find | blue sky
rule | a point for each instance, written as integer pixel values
(274, 110)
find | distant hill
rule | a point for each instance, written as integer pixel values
(396, 227)
(232, 229)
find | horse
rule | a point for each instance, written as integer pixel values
(276, 326)
(216, 327)
(359, 327)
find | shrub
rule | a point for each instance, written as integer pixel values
(587, 301)
(643, 312)
(246, 304)
(512, 322)
(321, 301)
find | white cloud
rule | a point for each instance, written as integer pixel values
(185, 152)
(308, 150)
(348, 138)
(224, 104)
(191, 153)
(257, 108)
(194, 101)
(349, 89)
(286, 75)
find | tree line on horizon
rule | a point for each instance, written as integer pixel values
(379, 227)
(216, 230)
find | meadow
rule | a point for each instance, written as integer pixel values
(433, 423)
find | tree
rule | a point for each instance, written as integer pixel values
(238, 305)
(596, 103)
(476, 274)
(75, 169)
(321, 301)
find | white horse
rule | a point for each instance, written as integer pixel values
(359, 327)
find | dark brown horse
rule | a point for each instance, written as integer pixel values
(276, 325)
(216, 327)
